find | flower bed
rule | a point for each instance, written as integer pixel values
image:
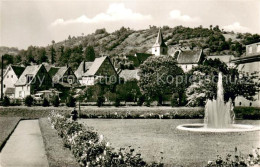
(238, 159)
(90, 148)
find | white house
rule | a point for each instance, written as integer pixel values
(249, 63)
(34, 78)
(101, 67)
(188, 59)
(11, 76)
(83, 68)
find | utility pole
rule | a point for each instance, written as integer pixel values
(2, 77)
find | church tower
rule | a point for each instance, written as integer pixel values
(159, 48)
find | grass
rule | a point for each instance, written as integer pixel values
(57, 154)
(179, 148)
(7, 126)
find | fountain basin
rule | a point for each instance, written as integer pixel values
(232, 128)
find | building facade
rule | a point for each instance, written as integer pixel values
(249, 63)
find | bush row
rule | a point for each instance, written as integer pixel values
(90, 148)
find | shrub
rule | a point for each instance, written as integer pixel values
(117, 102)
(6, 101)
(141, 100)
(90, 149)
(237, 160)
(28, 101)
(100, 101)
(56, 101)
(45, 103)
(71, 101)
(174, 101)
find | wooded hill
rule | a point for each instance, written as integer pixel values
(126, 42)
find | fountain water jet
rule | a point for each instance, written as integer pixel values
(219, 116)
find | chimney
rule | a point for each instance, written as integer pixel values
(84, 68)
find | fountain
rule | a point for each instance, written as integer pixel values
(219, 116)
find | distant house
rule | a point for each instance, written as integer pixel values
(34, 78)
(62, 75)
(83, 68)
(101, 67)
(11, 76)
(249, 63)
(224, 58)
(129, 74)
(188, 59)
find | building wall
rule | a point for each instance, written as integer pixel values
(88, 80)
(9, 80)
(250, 68)
(106, 69)
(22, 91)
(253, 49)
(187, 67)
(158, 51)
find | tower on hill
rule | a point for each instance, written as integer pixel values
(159, 48)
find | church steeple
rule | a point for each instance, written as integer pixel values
(159, 40)
(159, 48)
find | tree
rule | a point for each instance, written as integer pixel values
(160, 76)
(100, 101)
(71, 102)
(55, 101)
(89, 53)
(45, 103)
(235, 83)
(129, 91)
(28, 101)
(6, 101)
(53, 54)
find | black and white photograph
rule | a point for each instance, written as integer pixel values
(129, 83)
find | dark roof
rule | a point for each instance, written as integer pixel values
(80, 71)
(10, 91)
(159, 40)
(52, 71)
(18, 70)
(223, 58)
(129, 74)
(189, 57)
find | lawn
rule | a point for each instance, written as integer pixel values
(150, 137)
(57, 154)
(7, 126)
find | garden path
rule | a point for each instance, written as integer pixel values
(25, 147)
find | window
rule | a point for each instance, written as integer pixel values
(240, 103)
(250, 104)
(20, 93)
(7, 76)
(250, 49)
(258, 48)
(4, 85)
(11, 76)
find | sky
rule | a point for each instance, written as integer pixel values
(37, 22)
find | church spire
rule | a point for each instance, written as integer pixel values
(159, 48)
(159, 41)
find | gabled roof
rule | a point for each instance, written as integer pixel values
(129, 74)
(29, 70)
(159, 40)
(18, 70)
(189, 57)
(80, 71)
(57, 73)
(223, 58)
(95, 66)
